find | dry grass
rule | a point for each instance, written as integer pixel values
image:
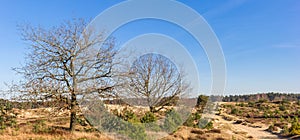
(53, 125)
(44, 124)
(17, 135)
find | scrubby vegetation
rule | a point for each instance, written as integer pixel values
(7, 116)
(263, 97)
(280, 115)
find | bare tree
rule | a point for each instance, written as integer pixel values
(155, 79)
(65, 62)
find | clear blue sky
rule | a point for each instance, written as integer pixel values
(260, 39)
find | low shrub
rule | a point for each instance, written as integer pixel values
(192, 120)
(40, 127)
(135, 131)
(209, 125)
(129, 115)
(172, 121)
(7, 117)
(205, 123)
(295, 128)
(234, 111)
(282, 107)
(272, 128)
(148, 118)
(251, 104)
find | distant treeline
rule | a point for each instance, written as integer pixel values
(262, 97)
(29, 105)
(202, 99)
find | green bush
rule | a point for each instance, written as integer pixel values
(148, 118)
(128, 115)
(209, 125)
(282, 107)
(172, 121)
(272, 128)
(205, 123)
(262, 100)
(6, 119)
(285, 101)
(105, 121)
(135, 131)
(192, 120)
(81, 122)
(202, 100)
(234, 111)
(295, 128)
(241, 104)
(152, 126)
(276, 112)
(281, 119)
(285, 130)
(40, 127)
(251, 104)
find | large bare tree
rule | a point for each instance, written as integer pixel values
(66, 62)
(157, 80)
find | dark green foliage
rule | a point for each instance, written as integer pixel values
(285, 101)
(295, 128)
(148, 118)
(40, 127)
(276, 112)
(281, 119)
(209, 125)
(251, 104)
(81, 122)
(128, 115)
(206, 124)
(282, 107)
(172, 121)
(234, 111)
(266, 115)
(103, 120)
(241, 104)
(272, 128)
(152, 126)
(202, 100)
(285, 130)
(262, 100)
(6, 118)
(135, 131)
(192, 120)
(263, 97)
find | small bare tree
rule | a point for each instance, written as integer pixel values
(66, 62)
(156, 79)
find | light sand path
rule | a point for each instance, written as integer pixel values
(256, 132)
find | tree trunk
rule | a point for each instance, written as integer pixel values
(73, 112)
(73, 98)
(152, 109)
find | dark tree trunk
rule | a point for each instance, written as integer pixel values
(73, 108)
(73, 113)
(152, 109)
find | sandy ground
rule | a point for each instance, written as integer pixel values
(232, 127)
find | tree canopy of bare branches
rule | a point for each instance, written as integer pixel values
(66, 61)
(156, 79)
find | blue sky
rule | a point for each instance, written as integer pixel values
(260, 39)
